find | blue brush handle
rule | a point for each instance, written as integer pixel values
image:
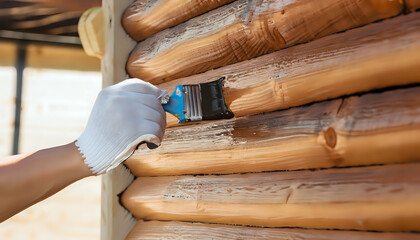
(175, 106)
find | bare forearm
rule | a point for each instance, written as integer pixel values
(28, 179)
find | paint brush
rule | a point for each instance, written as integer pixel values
(204, 101)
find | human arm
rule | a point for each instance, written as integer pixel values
(124, 115)
(29, 178)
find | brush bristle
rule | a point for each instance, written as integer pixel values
(192, 103)
(213, 101)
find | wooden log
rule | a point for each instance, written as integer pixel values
(372, 129)
(379, 198)
(243, 30)
(183, 230)
(147, 17)
(374, 56)
(412, 5)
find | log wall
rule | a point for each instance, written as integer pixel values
(371, 129)
(326, 131)
(246, 29)
(147, 17)
(379, 198)
(193, 231)
(375, 56)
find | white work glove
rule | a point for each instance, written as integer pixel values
(124, 116)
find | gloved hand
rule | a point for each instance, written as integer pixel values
(124, 116)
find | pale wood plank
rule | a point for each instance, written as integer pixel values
(91, 32)
(146, 17)
(374, 56)
(380, 198)
(371, 129)
(116, 222)
(8, 52)
(246, 29)
(184, 230)
(55, 57)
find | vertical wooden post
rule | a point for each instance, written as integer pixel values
(20, 66)
(116, 222)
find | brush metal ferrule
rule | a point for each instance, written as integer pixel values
(192, 103)
(204, 101)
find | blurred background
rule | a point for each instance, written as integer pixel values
(47, 88)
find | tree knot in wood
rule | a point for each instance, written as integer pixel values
(330, 137)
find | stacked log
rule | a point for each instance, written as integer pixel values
(194, 231)
(246, 29)
(375, 56)
(371, 129)
(379, 198)
(326, 131)
(146, 17)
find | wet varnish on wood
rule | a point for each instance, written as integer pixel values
(374, 56)
(372, 129)
(146, 17)
(380, 198)
(246, 29)
(193, 231)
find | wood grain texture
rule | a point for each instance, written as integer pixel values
(412, 5)
(375, 56)
(146, 17)
(91, 32)
(380, 198)
(246, 29)
(372, 129)
(184, 230)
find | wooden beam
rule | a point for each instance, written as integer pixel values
(24, 12)
(56, 57)
(64, 5)
(91, 32)
(375, 56)
(8, 53)
(193, 231)
(371, 129)
(246, 29)
(147, 17)
(379, 198)
(48, 20)
(116, 222)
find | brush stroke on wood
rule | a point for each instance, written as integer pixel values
(372, 129)
(375, 56)
(246, 29)
(146, 17)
